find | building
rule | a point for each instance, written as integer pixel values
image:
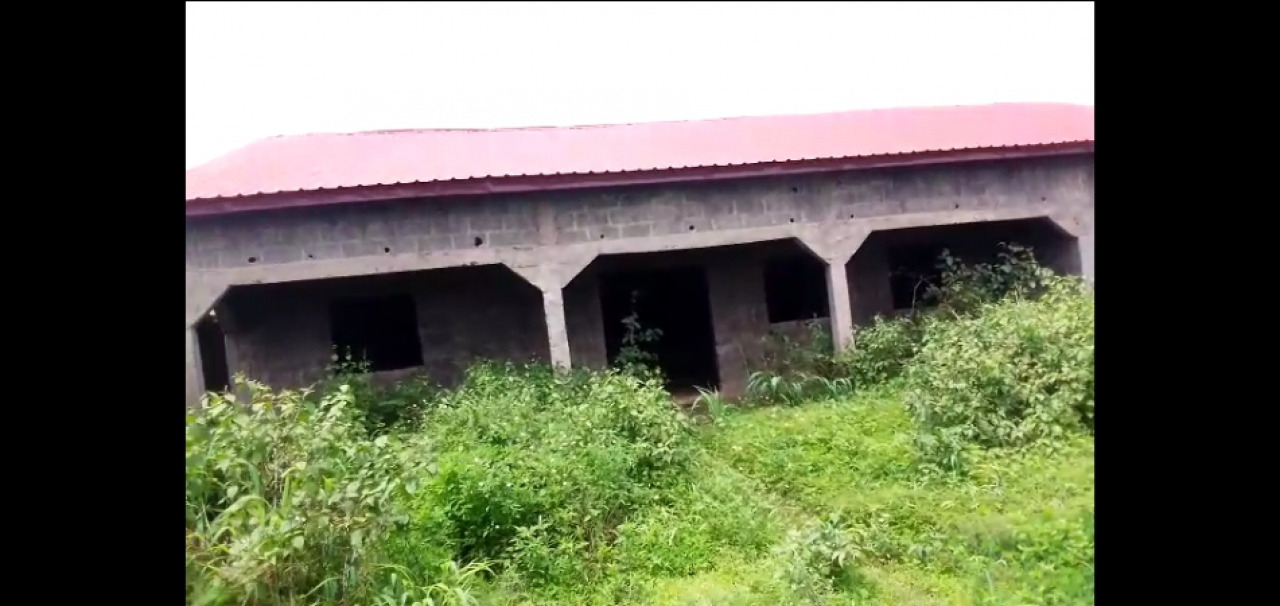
(429, 249)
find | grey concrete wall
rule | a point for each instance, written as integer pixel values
(280, 333)
(568, 229)
(739, 317)
(583, 320)
(450, 227)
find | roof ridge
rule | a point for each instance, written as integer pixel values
(508, 129)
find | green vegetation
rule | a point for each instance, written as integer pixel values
(949, 460)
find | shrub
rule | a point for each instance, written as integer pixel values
(883, 350)
(537, 467)
(820, 557)
(286, 495)
(1015, 372)
(383, 405)
(965, 287)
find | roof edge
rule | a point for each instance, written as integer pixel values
(592, 126)
(196, 207)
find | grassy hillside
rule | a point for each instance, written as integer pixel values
(948, 461)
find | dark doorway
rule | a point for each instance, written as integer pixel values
(912, 271)
(914, 254)
(795, 288)
(213, 354)
(382, 331)
(674, 301)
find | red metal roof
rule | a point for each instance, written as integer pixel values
(333, 161)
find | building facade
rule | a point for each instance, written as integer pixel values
(428, 250)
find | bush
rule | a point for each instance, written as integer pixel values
(286, 495)
(1015, 372)
(883, 350)
(820, 557)
(383, 405)
(538, 468)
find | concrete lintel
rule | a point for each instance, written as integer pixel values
(835, 244)
(551, 272)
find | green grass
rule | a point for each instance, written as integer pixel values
(554, 506)
(1017, 529)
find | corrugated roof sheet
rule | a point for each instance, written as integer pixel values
(330, 161)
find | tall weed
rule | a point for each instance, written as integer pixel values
(286, 496)
(538, 467)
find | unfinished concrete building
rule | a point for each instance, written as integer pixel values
(427, 250)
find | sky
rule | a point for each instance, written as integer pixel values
(260, 69)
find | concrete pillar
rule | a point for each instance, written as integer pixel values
(557, 332)
(838, 304)
(1086, 256)
(551, 278)
(195, 374)
(836, 245)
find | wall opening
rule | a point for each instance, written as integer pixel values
(795, 288)
(674, 301)
(213, 354)
(382, 331)
(913, 269)
(912, 255)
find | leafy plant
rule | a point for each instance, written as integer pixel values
(455, 588)
(634, 354)
(537, 466)
(819, 557)
(383, 405)
(1015, 372)
(714, 403)
(285, 495)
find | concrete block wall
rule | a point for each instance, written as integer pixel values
(583, 320)
(529, 230)
(739, 318)
(375, 230)
(281, 334)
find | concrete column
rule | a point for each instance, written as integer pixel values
(195, 375)
(1086, 256)
(551, 278)
(557, 332)
(836, 245)
(838, 304)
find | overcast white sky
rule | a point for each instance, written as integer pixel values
(261, 69)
